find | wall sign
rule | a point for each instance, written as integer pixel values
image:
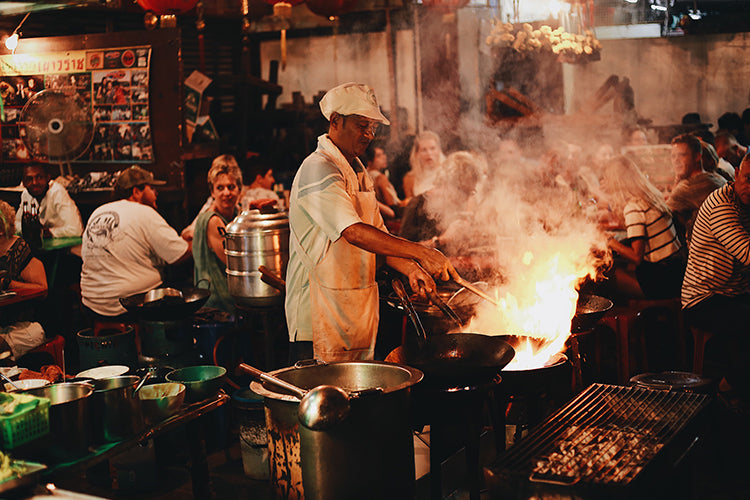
(114, 82)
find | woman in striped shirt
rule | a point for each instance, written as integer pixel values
(652, 245)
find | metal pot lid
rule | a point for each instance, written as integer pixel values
(671, 380)
(249, 221)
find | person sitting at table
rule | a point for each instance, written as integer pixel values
(693, 183)
(652, 244)
(260, 189)
(716, 288)
(225, 182)
(377, 163)
(58, 212)
(21, 271)
(729, 149)
(126, 245)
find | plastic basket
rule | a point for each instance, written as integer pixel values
(29, 421)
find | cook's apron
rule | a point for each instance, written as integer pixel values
(343, 290)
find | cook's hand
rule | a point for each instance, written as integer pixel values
(437, 264)
(420, 282)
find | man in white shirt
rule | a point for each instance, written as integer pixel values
(57, 210)
(126, 246)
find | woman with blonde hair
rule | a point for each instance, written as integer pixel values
(651, 245)
(18, 270)
(225, 182)
(425, 160)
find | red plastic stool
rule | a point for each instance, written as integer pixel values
(56, 348)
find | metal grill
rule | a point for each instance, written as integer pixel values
(607, 435)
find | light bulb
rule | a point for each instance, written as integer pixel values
(12, 42)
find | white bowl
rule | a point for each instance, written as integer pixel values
(29, 383)
(101, 372)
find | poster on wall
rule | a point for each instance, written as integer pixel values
(113, 83)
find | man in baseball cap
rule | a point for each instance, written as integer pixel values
(126, 245)
(336, 233)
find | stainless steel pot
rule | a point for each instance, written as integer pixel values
(253, 240)
(69, 420)
(116, 412)
(370, 454)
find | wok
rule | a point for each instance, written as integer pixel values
(589, 311)
(170, 310)
(450, 360)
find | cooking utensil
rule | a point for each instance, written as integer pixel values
(161, 401)
(202, 381)
(320, 407)
(445, 308)
(458, 279)
(454, 359)
(193, 299)
(589, 310)
(153, 297)
(10, 381)
(140, 384)
(269, 278)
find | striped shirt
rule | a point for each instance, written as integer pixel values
(719, 256)
(645, 221)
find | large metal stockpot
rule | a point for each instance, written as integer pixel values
(368, 455)
(252, 240)
(115, 409)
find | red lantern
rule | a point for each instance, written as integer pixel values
(161, 7)
(328, 8)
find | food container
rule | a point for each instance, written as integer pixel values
(29, 383)
(106, 371)
(202, 382)
(69, 420)
(23, 418)
(252, 240)
(161, 401)
(116, 411)
(370, 454)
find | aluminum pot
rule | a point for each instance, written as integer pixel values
(69, 420)
(252, 240)
(370, 454)
(116, 412)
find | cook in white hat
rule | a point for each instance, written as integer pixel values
(336, 233)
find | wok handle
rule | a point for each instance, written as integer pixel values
(270, 279)
(398, 287)
(267, 377)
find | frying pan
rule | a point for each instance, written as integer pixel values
(170, 310)
(451, 360)
(589, 310)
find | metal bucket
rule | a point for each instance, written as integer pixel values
(253, 240)
(116, 413)
(69, 420)
(117, 348)
(370, 454)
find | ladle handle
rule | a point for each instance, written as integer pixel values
(10, 381)
(473, 289)
(267, 377)
(398, 287)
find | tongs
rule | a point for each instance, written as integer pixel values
(398, 287)
(445, 308)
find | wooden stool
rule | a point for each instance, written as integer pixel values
(667, 311)
(700, 338)
(618, 319)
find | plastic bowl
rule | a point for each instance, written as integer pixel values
(201, 382)
(161, 401)
(29, 383)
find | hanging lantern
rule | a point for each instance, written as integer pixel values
(163, 7)
(283, 10)
(330, 8)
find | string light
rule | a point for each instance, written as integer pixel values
(12, 41)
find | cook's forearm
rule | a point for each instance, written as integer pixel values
(376, 241)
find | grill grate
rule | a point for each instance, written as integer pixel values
(606, 435)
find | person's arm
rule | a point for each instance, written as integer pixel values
(408, 184)
(32, 276)
(633, 253)
(724, 222)
(384, 194)
(215, 237)
(68, 214)
(376, 241)
(385, 211)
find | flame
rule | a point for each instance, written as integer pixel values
(539, 304)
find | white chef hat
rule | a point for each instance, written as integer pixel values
(352, 99)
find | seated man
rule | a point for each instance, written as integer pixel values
(57, 210)
(261, 187)
(126, 246)
(729, 149)
(716, 288)
(693, 183)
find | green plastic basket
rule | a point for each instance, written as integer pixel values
(29, 421)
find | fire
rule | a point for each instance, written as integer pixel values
(538, 304)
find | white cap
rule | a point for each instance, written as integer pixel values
(352, 99)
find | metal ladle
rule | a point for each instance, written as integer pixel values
(10, 381)
(320, 407)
